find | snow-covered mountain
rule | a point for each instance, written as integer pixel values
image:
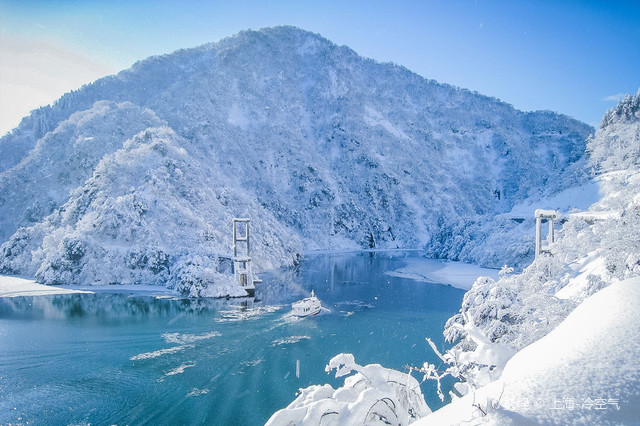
(135, 178)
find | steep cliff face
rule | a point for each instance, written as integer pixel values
(323, 148)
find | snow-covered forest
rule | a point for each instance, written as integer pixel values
(135, 178)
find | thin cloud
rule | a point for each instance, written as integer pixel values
(614, 98)
(36, 73)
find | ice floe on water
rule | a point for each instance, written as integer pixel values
(160, 352)
(197, 392)
(242, 313)
(180, 369)
(348, 308)
(188, 338)
(356, 304)
(252, 363)
(289, 340)
(184, 340)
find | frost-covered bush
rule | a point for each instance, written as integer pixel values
(196, 276)
(373, 395)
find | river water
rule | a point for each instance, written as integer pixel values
(119, 358)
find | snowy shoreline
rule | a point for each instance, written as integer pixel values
(437, 271)
(433, 271)
(11, 286)
(586, 369)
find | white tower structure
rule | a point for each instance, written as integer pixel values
(550, 216)
(241, 256)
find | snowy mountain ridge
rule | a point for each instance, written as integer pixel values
(320, 147)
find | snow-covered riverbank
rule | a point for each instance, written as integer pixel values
(435, 271)
(457, 274)
(11, 286)
(16, 287)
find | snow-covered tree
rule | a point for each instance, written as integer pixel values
(373, 395)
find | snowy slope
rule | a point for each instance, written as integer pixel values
(64, 158)
(339, 150)
(586, 371)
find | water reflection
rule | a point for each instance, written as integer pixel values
(340, 281)
(330, 273)
(107, 306)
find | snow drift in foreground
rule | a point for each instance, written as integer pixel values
(586, 371)
(320, 147)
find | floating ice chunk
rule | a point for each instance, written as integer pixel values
(197, 392)
(180, 369)
(289, 340)
(156, 354)
(188, 338)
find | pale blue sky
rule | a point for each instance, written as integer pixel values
(573, 57)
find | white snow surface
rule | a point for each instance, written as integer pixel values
(576, 198)
(17, 287)
(580, 373)
(456, 274)
(373, 395)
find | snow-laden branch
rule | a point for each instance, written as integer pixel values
(373, 394)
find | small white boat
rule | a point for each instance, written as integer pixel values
(306, 307)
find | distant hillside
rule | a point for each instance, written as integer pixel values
(135, 178)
